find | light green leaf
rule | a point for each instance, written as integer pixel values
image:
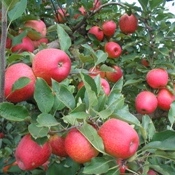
(9, 4)
(101, 57)
(20, 83)
(144, 4)
(17, 10)
(133, 81)
(43, 96)
(13, 112)
(171, 114)
(154, 4)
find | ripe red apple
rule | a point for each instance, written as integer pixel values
(37, 43)
(128, 23)
(94, 71)
(145, 62)
(30, 155)
(57, 145)
(51, 64)
(152, 172)
(12, 74)
(119, 138)
(109, 28)
(165, 98)
(114, 76)
(38, 26)
(96, 4)
(61, 15)
(146, 102)
(97, 32)
(25, 45)
(157, 78)
(78, 147)
(113, 49)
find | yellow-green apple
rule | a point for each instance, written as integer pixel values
(115, 75)
(128, 23)
(94, 71)
(109, 28)
(151, 172)
(113, 49)
(78, 147)
(97, 32)
(119, 138)
(146, 102)
(61, 15)
(30, 155)
(25, 45)
(50, 64)
(165, 98)
(57, 145)
(14, 73)
(37, 43)
(38, 26)
(157, 78)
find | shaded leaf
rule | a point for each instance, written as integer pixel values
(171, 114)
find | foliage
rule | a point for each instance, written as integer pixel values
(61, 106)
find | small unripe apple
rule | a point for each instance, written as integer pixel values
(116, 75)
(146, 102)
(113, 49)
(109, 28)
(165, 98)
(157, 78)
(97, 32)
(119, 138)
(128, 23)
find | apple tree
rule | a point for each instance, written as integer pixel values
(79, 65)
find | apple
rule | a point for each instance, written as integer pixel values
(78, 147)
(151, 172)
(96, 4)
(114, 76)
(165, 98)
(145, 62)
(146, 102)
(14, 73)
(8, 43)
(97, 32)
(37, 43)
(2, 135)
(82, 11)
(157, 78)
(57, 145)
(122, 166)
(61, 15)
(113, 49)
(38, 26)
(25, 45)
(119, 138)
(50, 64)
(30, 155)
(109, 28)
(94, 71)
(128, 23)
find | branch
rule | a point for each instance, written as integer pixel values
(2, 52)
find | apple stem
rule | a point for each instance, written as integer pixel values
(2, 51)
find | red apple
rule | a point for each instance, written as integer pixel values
(30, 155)
(128, 23)
(8, 43)
(61, 15)
(114, 76)
(97, 32)
(12, 74)
(51, 64)
(38, 26)
(122, 166)
(152, 172)
(165, 98)
(109, 28)
(82, 11)
(145, 62)
(157, 78)
(57, 145)
(25, 45)
(119, 138)
(37, 43)
(2, 135)
(94, 71)
(113, 49)
(96, 4)
(78, 147)
(146, 102)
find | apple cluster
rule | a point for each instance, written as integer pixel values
(147, 101)
(30, 155)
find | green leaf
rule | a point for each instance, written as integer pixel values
(92, 136)
(133, 81)
(38, 132)
(15, 12)
(47, 120)
(154, 4)
(9, 4)
(101, 57)
(98, 165)
(20, 83)
(13, 112)
(163, 135)
(43, 96)
(171, 114)
(64, 39)
(144, 4)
